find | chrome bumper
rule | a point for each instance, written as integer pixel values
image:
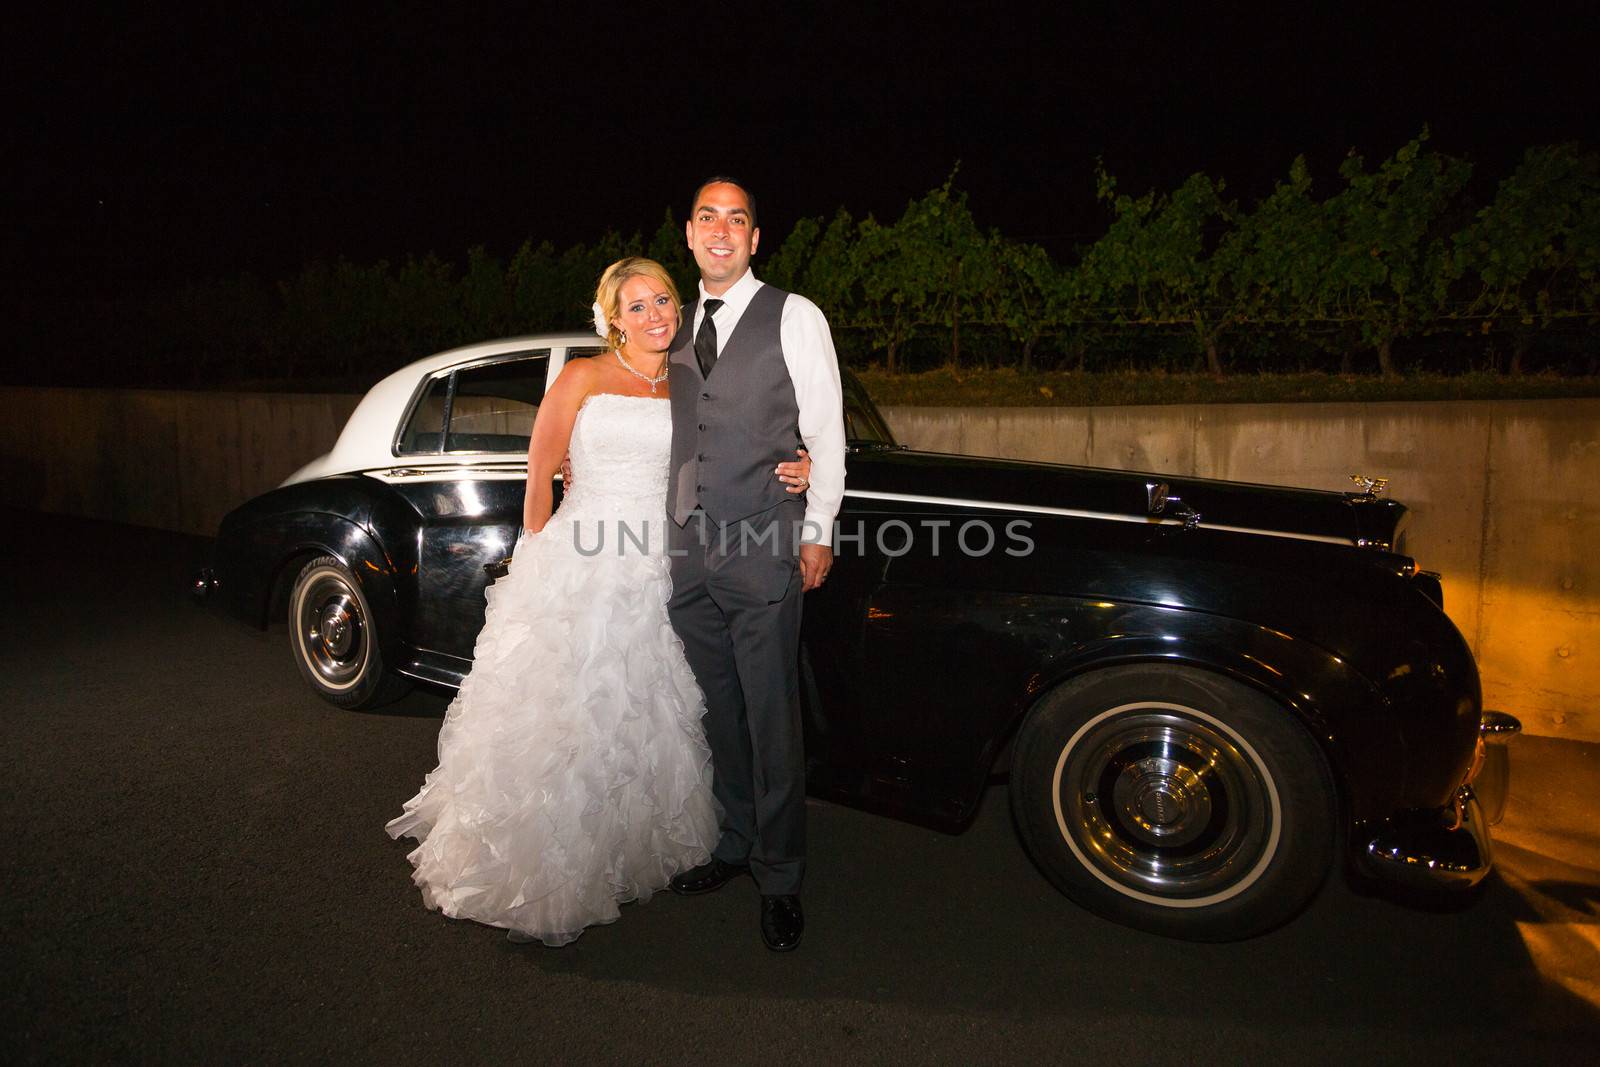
(1450, 848)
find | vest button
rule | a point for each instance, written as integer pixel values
(701, 457)
(702, 425)
(699, 488)
(705, 396)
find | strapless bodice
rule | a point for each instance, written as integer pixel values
(620, 449)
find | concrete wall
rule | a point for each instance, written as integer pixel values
(172, 460)
(1503, 494)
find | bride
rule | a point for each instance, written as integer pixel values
(573, 774)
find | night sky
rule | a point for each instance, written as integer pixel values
(148, 147)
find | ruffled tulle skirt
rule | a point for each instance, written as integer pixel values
(573, 773)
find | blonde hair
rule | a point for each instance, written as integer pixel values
(608, 294)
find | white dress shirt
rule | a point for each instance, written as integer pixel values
(814, 371)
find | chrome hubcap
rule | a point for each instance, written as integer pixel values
(1166, 803)
(1162, 800)
(332, 629)
(336, 628)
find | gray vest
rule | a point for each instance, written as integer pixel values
(730, 430)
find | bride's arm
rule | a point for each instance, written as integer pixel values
(547, 446)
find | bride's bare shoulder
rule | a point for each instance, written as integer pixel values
(581, 369)
(579, 377)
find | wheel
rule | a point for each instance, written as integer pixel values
(334, 638)
(1175, 801)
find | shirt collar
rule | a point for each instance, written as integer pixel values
(738, 295)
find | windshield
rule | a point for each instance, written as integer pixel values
(863, 426)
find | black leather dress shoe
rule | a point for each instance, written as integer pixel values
(708, 876)
(782, 922)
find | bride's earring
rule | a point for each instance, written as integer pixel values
(624, 337)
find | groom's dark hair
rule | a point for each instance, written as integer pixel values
(723, 179)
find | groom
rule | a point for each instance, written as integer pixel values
(753, 376)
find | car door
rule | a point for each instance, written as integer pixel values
(468, 438)
(839, 624)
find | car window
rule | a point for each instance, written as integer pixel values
(863, 425)
(492, 406)
(426, 424)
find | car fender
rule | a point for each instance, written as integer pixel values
(261, 546)
(360, 553)
(1343, 711)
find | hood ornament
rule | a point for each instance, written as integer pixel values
(1370, 487)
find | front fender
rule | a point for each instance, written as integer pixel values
(1349, 718)
(948, 676)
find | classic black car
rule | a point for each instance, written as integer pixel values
(1206, 694)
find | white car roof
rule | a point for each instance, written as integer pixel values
(367, 440)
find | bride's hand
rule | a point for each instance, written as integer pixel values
(796, 474)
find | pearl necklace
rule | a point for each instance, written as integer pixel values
(653, 382)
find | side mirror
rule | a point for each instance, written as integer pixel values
(1156, 495)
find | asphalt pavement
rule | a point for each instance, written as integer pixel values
(195, 869)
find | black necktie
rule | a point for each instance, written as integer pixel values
(705, 342)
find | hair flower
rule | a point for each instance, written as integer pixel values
(601, 326)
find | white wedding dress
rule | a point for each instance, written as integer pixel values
(573, 773)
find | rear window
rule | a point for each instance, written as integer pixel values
(489, 407)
